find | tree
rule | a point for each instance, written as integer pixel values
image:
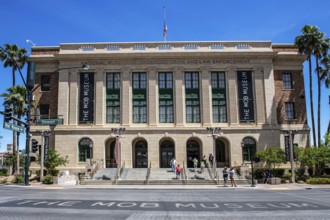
(54, 160)
(15, 96)
(14, 57)
(272, 156)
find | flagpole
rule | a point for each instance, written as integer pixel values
(165, 26)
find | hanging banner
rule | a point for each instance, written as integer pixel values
(86, 114)
(46, 148)
(245, 96)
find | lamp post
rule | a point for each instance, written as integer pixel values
(251, 158)
(118, 133)
(290, 134)
(214, 132)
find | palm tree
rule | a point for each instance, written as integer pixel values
(320, 51)
(325, 71)
(15, 96)
(306, 44)
(14, 57)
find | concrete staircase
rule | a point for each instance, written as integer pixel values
(133, 176)
(104, 176)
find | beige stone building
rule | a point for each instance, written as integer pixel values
(165, 95)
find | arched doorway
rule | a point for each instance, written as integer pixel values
(220, 153)
(110, 154)
(141, 154)
(248, 149)
(193, 150)
(166, 153)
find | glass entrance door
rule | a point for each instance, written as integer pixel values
(141, 154)
(193, 151)
(166, 153)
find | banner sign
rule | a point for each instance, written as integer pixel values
(245, 96)
(46, 148)
(86, 113)
(287, 147)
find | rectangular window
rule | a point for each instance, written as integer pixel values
(44, 111)
(165, 82)
(45, 83)
(287, 81)
(191, 80)
(113, 98)
(289, 110)
(192, 97)
(192, 111)
(219, 106)
(139, 97)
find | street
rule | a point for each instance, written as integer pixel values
(19, 202)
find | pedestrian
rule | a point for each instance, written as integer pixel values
(202, 166)
(178, 171)
(173, 164)
(268, 176)
(263, 177)
(211, 158)
(225, 176)
(195, 161)
(232, 178)
(204, 159)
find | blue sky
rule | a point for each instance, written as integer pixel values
(49, 23)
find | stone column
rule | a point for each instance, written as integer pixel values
(206, 97)
(99, 104)
(73, 98)
(63, 95)
(152, 97)
(126, 97)
(270, 95)
(259, 95)
(232, 96)
(179, 97)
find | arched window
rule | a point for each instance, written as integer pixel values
(248, 149)
(85, 149)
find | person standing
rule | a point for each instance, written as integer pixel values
(232, 178)
(202, 166)
(225, 176)
(211, 159)
(195, 161)
(178, 171)
(173, 164)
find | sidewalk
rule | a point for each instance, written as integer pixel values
(288, 186)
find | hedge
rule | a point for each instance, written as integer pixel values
(318, 181)
(279, 172)
(3, 172)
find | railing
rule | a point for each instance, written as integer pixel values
(122, 169)
(184, 173)
(91, 168)
(148, 173)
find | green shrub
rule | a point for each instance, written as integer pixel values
(54, 172)
(287, 176)
(18, 179)
(318, 181)
(48, 179)
(3, 172)
(38, 172)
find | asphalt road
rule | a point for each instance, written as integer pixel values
(18, 202)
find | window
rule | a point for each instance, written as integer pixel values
(45, 83)
(113, 98)
(139, 97)
(165, 81)
(248, 149)
(287, 81)
(44, 111)
(192, 97)
(219, 106)
(85, 150)
(289, 110)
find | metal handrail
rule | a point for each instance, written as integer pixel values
(148, 173)
(117, 173)
(184, 173)
(122, 169)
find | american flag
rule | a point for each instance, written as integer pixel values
(165, 30)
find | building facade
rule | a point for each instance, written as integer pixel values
(165, 95)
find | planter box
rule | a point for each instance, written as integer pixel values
(275, 181)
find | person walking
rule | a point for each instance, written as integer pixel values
(195, 161)
(225, 176)
(202, 166)
(178, 171)
(173, 164)
(211, 159)
(232, 178)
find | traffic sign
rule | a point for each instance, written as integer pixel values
(49, 121)
(13, 127)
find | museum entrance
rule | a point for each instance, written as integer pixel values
(193, 151)
(220, 154)
(110, 154)
(166, 153)
(141, 154)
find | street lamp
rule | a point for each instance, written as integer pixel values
(214, 133)
(251, 158)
